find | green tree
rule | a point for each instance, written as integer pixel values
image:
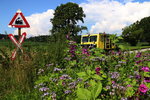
(133, 33)
(65, 20)
(145, 25)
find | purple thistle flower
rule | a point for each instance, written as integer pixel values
(145, 69)
(143, 88)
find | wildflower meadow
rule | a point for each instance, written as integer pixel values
(94, 74)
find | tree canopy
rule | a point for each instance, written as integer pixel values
(66, 18)
(138, 31)
(145, 25)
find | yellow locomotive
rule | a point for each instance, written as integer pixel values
(100, 40)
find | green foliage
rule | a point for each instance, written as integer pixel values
(145, 25)
(132, 34)
(129, 92)
(138, 31)
(83, 94)
(89, 94)
(39, 74)
(65, 19)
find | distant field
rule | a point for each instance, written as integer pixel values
(142, 45)
(8, 43)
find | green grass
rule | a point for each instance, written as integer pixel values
(17, 77)
(126, 46)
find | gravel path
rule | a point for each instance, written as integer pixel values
(142, 50)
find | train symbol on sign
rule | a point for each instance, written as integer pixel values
(19, 21)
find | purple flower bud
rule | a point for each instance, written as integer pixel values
(138, 77)
(137, 62)
(97, 69)
(138, 55)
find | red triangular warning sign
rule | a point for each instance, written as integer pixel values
(19, 21)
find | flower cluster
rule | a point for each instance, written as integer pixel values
(115, 75)
(64, 77)
(143, 88)
(145, 69)
(43, 89)
(85, 51)
(72, 48)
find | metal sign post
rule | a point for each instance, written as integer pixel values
(19, 32)
(18, 21)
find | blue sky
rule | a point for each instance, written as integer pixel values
(31, 8)
(9, 7)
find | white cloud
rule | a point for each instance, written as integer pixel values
(39, 24)
(108, 16)
(111, 16)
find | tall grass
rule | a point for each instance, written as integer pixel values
(17, 77)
